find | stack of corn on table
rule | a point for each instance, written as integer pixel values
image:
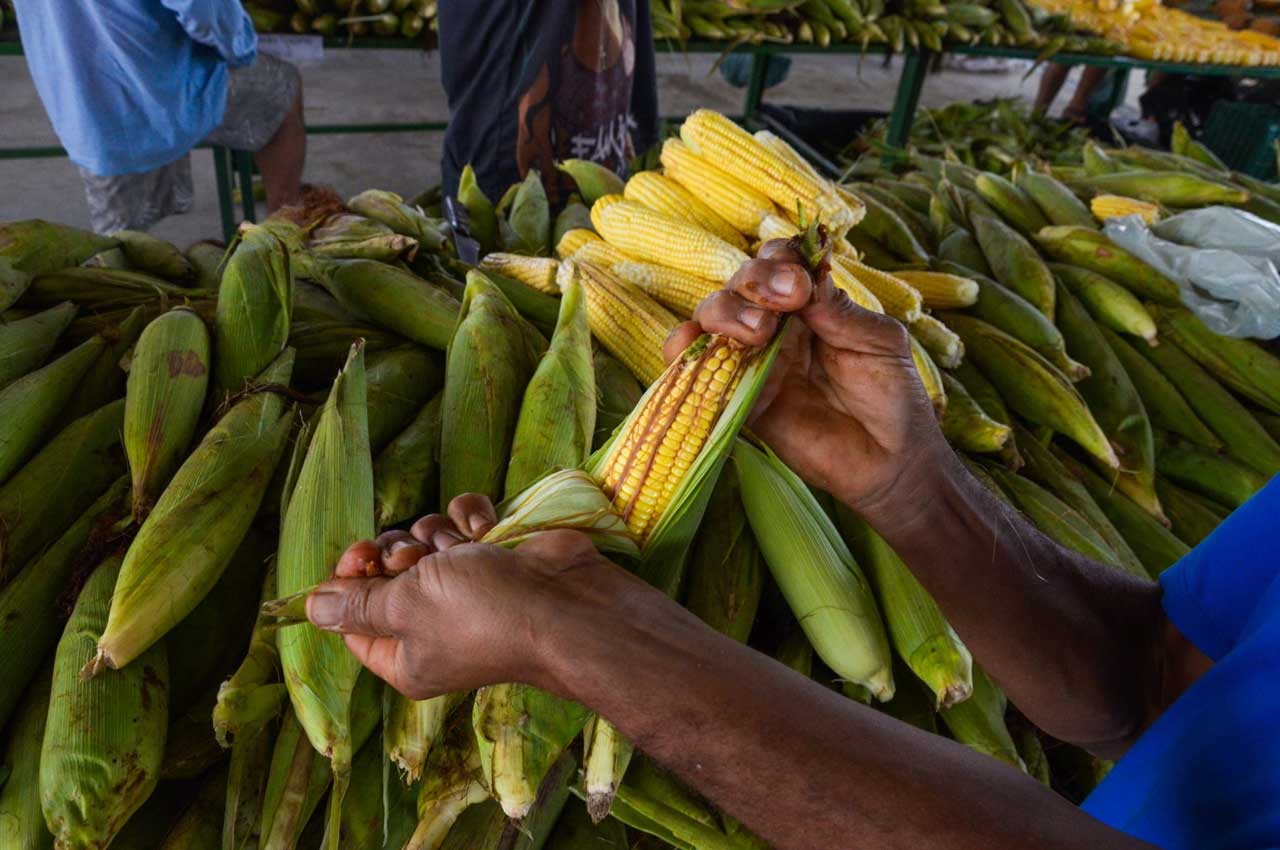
(408, 19)
(186, 434)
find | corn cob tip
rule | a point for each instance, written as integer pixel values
(100, 661)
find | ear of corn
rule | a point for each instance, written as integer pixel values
(664, 195)
(884, 226)
(961, 248)
(918, 631)
(390, 209)
(1014, 262)
(558, 412)
(104, 739)
(898, 298)
(815, 571)
(916, 223)
(206, 259)
(1092, 250)
(103, 289)
(255, 304)
(146, 253)
(1051, 515)
(398, 383)
(776, 227)
(1058, 203)
(168, 375)
(575, 216)
(600, 253)
(940, 290)
(527, 226)
(628, 323)
(943, 346)
(204, 513)
(737, 203)
(1109, 302)
(26, 343)
(411, 728)
(1241, 364)
(965, 424)
(1192, 519)
(199, 827)
(22, 824)
(1165, 187)
(406, 474)
(1031, 385)
(1011, 202)
(1221, 478)
(104, 381)
(296, 782)
(606, 755)
(40, 247)
(678, 291)
(1104, 207)
(930, 375)
(354, 237)
(452, 782)
(480, 213)
(726, 575)
(572, 499)
(371, 820)
(14, 283)
(573, 240)
(330, 506)
(488, 367)
(988, 399)
(538, 272)
(30, 406)
(653, 237)
(392, 298)
(978, 722)
(56, 486)
(592, 179)
(575, 831)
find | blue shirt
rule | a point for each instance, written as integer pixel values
(131, 85)
(1206, 775)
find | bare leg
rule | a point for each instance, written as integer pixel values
(1055, 74)
(1090, 78)
(281, 159)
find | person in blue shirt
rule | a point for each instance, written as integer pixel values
(1176, 680)
(131, 86)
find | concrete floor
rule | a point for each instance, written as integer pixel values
(350, 86)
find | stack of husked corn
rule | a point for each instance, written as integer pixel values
(186, 433)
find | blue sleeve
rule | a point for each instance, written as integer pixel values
(221, 24)
(1211, 593)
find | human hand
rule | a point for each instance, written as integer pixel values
(843, 405)
(432, 612)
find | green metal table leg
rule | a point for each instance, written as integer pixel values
(755, 85)
(914, 65)
(222, 175)
(244, 168)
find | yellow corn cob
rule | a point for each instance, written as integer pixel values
(648, 462)
(939, 340)
(602, 203)
(653, 237)
(731, 148)
(930, 375)
(853, 287)
(677, 290)
(599, 253)
(856, 208)
(1104, 207)
(941, 291)
(573, 240)
(774, 226)
(844, 248)
(538, 272)
(898, 297)
(628, 323)
(662, 194)
(732, 200)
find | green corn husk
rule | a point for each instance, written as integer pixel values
(322, 346)
(38, 247)
(569, 498)
(406, 474)
(1031, 751)
(558, 412)
(485, 826)
(199, 826)
(917, 223)
(1091, 249)
(726, 578)
(14, 283)
(1167, 188)
(483, 222)
(1045, 469)
(202, 516)
(964, 423)
(617, 394)
(365, 811)
(1061, 523)
(1165, 406)
(151, 823)
(1155, 545)
(1108, 302)
(25, 344)
(392, 298)
(606, 756)
(105, 738)
(1221, 478)
(988, 399)
(55, 487)
(330, 506)
(917, 628)
(312, 304)
(886, 227)
(541, 309)
(30, 617)
(978, 722)
(815, 571)
(411, 728)
(1058, 203)
(480, 827)
(105, 379)
(30, 406)
(946, 349)
(21, 820)
(1241, 364)
(112, 258)
(1243, 436)
(489, 363)
(389, 209)
(1192, 520)
(207, 259)
(961, 248)
(575, 831)
(574, 216)
(247, 773)
(593, 180)
(795, 651)
(913, 702)
(1031, 385)
(168, 376)
(1014, 205)
(190, 748)
(354, 237)
(105, 289)
(875, 254)
(253, 694)
(399, 382)
(1114, 400)
(255, 303)
(527, 227)
(452, 782)
(1014, 261)
(154, 256)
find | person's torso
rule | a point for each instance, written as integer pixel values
(126, 89)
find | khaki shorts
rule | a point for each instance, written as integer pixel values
(259, 97)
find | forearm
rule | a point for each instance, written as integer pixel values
(794, 761)
(1074, 644)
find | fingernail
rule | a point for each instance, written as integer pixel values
(784, 282)
(752, 317)
(445, 539)
(397, 545)
(324, 609)
(477, 521)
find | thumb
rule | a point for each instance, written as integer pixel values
(353, 606)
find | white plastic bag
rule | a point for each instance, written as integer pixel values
(1224, 261)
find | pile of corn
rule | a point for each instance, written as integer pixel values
(892, 24)
(408, 19)
(187, 433)
(1150, 30)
